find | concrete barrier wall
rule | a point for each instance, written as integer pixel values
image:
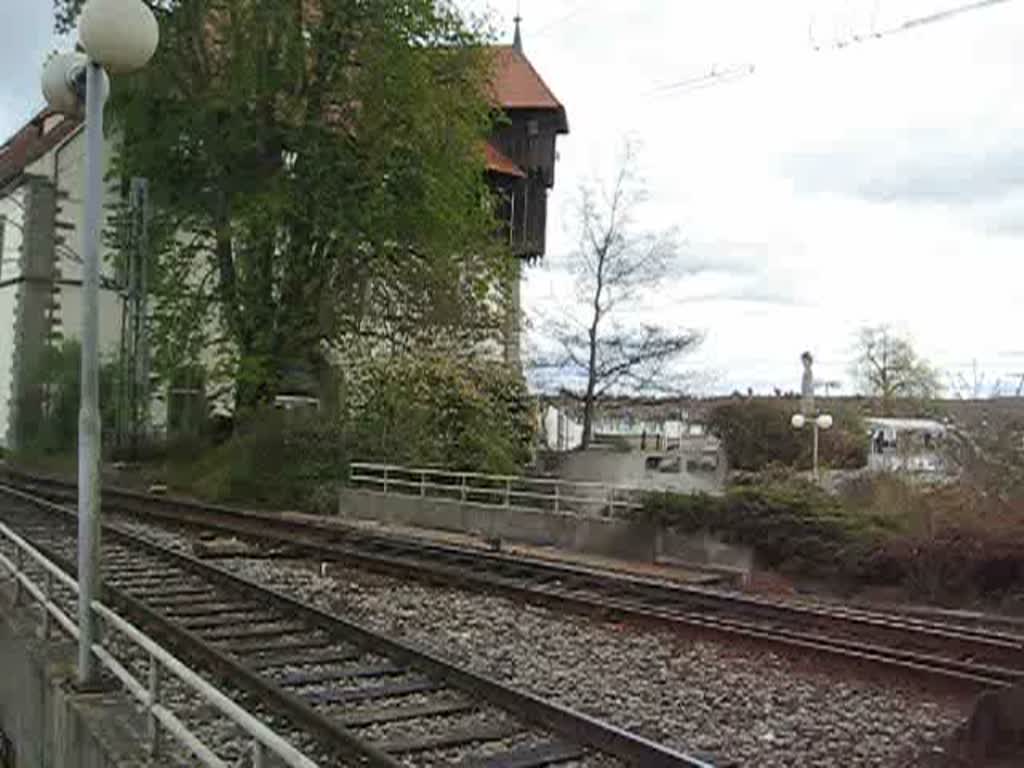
(629, 540)
(705, 549)
(526, 526)
(43, 719)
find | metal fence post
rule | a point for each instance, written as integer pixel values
(558, 486)
(462, 489)
(258, 755)
(47, 592)
(89, 427)
(423, 483)
(385, 479)
(152, 724)
(508, 492)
(19, 561)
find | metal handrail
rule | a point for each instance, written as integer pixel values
(613, 496)
(264, 739)
(484, 475)
(478, 490)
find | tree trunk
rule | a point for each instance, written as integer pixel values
(588, 398)
(588, 417)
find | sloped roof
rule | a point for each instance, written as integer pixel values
(499, 162)
(32, 141)
(517, 85)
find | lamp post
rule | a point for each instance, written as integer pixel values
(820, 422)
(118, 36)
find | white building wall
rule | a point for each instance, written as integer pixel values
(559, 432)
(8, 296)
(70, 299)
(12, 213)
(65, 166)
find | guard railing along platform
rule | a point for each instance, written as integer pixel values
(569, 497)
(264, 741)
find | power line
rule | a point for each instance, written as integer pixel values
(713, 77)
(561, 19)
(722, 77)
(914, 23)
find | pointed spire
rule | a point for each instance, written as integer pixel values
(517, 41)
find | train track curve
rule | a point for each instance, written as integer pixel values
(971, 656)
(372, 700)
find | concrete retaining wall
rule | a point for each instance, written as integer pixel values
(527, 526)
(629, 540)
(45, 722)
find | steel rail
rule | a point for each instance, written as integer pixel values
(157, 654)
(491, 571)
(548, 716)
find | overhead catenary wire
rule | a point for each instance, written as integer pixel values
(713, 77)
(910, 24)
(716, 77)
(580, 6)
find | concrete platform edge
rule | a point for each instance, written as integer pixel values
(48, 723)
(639, 541)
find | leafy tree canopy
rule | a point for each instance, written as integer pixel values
(423, 409)
(317, 174)
(888, 367)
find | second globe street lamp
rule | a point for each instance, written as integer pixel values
(820, 422)
(118, 36)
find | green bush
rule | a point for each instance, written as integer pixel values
(793, 527)
(55, 431)
(941, 545)
(275, 459)
(411, 410)
(432, 410)
(758, 433)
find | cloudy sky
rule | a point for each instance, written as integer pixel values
(879, 181)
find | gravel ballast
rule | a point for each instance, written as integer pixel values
(694, 695)
(744, 706)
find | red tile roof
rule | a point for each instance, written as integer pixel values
(517, 85)
(498, 162)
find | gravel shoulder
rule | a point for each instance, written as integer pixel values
(736, 705)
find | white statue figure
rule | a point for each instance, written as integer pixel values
(807, 385)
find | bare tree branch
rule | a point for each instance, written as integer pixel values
(614, 267)
(887, 367)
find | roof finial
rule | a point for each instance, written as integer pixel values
(517, 41)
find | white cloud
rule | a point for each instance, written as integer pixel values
(876, 183)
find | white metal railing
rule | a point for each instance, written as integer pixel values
(264, 740)
(547, 494)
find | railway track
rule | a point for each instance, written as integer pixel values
(371, 700)
(972, 656)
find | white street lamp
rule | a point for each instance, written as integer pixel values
(820, 422)
(120, 35)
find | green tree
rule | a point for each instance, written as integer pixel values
(60, 374)
(438, 410)
(758, 433)
(317, 174)
(888, 367)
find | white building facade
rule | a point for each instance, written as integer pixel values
(42, 182)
